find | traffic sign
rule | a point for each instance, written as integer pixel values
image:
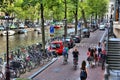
(51, 29)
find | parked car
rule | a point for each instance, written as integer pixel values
(77, 39)
(85, 33)
(69, 41)
(93, 27)
(21, 26)
(56, 46)
(1, 28)
(102, 26)
(13, 26)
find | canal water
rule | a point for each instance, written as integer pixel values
(30, 38)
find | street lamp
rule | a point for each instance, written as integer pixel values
(7, 17)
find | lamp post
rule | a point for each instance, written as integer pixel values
(7, 17)
(7, 51)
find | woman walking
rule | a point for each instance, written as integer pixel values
(95, 56)
(88, 56)
(83, 72)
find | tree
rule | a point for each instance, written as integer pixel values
(65, 18)
(98, 8)
(73, 7)
(83, 6)
(7, 6)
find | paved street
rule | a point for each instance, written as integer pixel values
(58, 71)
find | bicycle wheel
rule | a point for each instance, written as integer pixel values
(28, 67)
(17, 75)
(2, 77)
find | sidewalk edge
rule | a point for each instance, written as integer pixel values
(43, 68)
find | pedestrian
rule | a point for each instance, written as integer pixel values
(65, 54)
(95, 56)
(99, 49)
(103, 58)
(92, 58)
(75, 54)
(88, 55)
(83, 71)
(65, 50)
(99, 46)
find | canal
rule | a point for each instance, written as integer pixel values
(30, 38)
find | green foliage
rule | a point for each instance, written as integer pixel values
(53, 9)
(98, 6)
(2, 17)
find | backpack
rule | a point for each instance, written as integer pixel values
(83, 74)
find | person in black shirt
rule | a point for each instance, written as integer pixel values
(75, 54)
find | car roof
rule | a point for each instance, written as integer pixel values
(68, 37)
(57, 42)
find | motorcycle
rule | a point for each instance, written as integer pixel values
(75, 63)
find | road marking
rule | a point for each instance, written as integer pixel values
(101, 40)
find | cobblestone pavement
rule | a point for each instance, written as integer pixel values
(58, 71)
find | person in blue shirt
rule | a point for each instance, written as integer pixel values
(65, 51)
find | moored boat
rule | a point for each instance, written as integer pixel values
(22, 31)
(10, 32)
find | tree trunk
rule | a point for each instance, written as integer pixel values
(76, 17)
(91, 21)
(84, 18)
(65, 28)
(96, 19)
(42, 29)
(38, 19)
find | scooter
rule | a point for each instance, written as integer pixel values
(75, 63)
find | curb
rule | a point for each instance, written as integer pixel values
(101, 40)
(42, 69)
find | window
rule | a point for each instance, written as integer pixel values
(55, 45)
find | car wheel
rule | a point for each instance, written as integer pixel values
(88, 36)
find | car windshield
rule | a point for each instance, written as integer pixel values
(67, 39)
(1, 28)
(101, 23)
(55, 45)
(74, 38)
(85, 29)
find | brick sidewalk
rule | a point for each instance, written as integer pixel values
(66, 72)
(58, 71)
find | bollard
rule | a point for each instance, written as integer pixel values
(106, 73)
